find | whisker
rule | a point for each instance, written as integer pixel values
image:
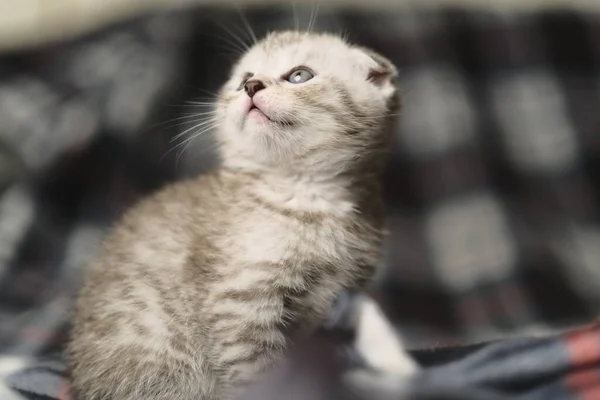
(295, 15)
(235, 37)
(246, 24)
(231, 53)
(193, 115)
(313, 18)
(195, 121)
(183, 124)
(210, 107)
(172, 123)
(243, 32)
(184, 116)
(376, 117)
(209, 92)
(199, 103)
(191, 139)
(235, 45)
(203, 99)
(200, 125)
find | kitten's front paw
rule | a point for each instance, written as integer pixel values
(379, 344)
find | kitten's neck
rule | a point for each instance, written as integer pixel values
(338, 194)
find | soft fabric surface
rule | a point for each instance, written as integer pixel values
(492, 187)
(562, 367)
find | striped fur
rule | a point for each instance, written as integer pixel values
(202, 286)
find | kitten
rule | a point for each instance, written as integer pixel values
(202, 286)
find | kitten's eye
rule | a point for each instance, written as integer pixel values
(300, 75)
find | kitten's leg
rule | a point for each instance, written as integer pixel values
(377, 341)
(380, 346)
(105, 371)
(245, 340)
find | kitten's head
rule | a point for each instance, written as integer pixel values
(306, 103)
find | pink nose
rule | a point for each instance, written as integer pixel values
(253, 86)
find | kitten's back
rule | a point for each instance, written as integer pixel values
(137, 317)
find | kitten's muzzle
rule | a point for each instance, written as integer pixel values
(253, 86)
(258, 103)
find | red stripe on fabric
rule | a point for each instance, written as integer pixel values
(590, 394)
(64, 393)
(583, 379)
(583, 347)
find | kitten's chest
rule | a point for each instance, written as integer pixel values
(300, 222)
(271, 238)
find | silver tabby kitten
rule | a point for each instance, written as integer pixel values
(201, 287)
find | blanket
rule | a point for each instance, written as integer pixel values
(564, 367)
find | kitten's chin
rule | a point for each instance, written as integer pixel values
(259, 130)
(255, 115)
(259, 122)
(262, 129)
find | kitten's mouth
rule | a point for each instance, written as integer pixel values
(255, 109)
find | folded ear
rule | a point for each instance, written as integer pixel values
(383, 73)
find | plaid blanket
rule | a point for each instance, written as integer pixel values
(564, 368)
(492, 187)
